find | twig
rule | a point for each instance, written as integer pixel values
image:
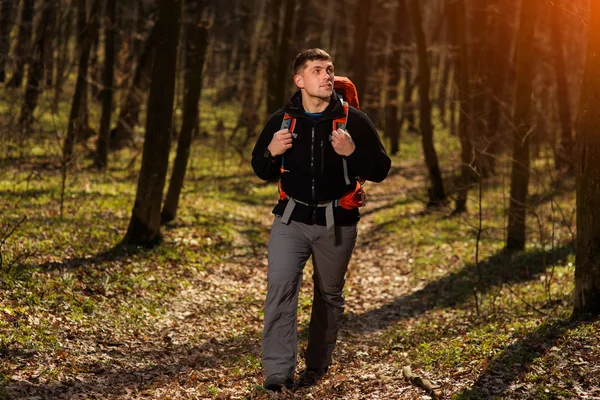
(526, 303)
(419, 381)
(7, 236)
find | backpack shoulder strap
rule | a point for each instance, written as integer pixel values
(342, 123)
(288, 122)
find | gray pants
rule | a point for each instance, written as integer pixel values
(290, 246)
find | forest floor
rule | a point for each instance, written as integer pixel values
(82, 318)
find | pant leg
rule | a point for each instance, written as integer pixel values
(289, 249)
(330, 261)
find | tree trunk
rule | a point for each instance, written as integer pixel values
(392, 128)
(128, 119)
(587, 261)
(522, 122)
(564, 155)
(437, 195)
(359, 51)
(196, 44)
(50, 34)
(144, 226)
(6, 22)
(442, 98)
(108, 75)
(62, 45)
(23, 45)
(81, 129)
(275, 38)
(501, 65)
(408, 106)
(457, 17)
(36, 69)
(77, 120)
(279, 63)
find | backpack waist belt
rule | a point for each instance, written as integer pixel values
(329, 220)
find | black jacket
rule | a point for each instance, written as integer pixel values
(315, 170)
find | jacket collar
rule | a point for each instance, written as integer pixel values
(295, 109)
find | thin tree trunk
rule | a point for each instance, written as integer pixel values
(442, 100)
(62, 44)
(392, 128)
(81, 129)
(128, 119)
(408, 106)
(196, 44)
(359, 51)
(144, 226)
(36, 69)
(522, 122)
(77, 120)
(6, 22)
(564, 156)
(437, 196)
(457, 19)
(50, 34)
(587, 260)
(23, 45)
(275, 37)
(501, 64)
(283, 63)
(108, 74)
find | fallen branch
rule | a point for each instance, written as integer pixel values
(421, 382)
(6, 236)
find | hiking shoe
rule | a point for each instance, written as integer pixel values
(276, 381)
(311, 376)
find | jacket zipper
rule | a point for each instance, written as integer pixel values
(312, 161)
(322, 159)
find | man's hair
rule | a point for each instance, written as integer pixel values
(309, 55)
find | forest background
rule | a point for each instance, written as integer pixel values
(133, 232)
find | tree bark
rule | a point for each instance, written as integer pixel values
(78, 120)
(457, 17)
(587, 261)
(23, 45)
(437, 196)
(522, 122)
(196, 44)
(50, 34)
(392, 128)
(564, 155)
(361, 38)
(128, 119)
(144, 226)
(65, 25)
(442, 100)
(36, 69)
(279, 63)
(108, 75)
(6, 23)
(275, 37)
(501, 65)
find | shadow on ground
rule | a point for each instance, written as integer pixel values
(457, 287)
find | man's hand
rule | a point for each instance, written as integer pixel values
(282, 140)
(342, 142)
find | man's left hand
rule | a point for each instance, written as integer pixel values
(342, 142)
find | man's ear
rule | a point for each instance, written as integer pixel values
(299, 81)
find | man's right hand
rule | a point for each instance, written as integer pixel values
(282, 140)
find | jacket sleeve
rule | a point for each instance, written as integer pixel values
(369, 159)
(264, 168)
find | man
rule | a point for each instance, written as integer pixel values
(309, 157)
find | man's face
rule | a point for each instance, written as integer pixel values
(316, 79)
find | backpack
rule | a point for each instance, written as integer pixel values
(348, 94)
